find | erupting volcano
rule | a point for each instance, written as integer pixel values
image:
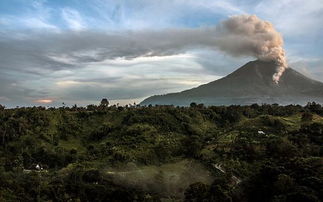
(251, 83)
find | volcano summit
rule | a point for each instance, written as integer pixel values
(251, 83)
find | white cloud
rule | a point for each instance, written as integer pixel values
(128, 81)
(38, 24)
(293, 17)
(227, 7)
(36, 17)
(73, 19)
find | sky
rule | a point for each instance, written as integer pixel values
(80, 51)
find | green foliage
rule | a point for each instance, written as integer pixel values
(197, 192)
(306, 116)
(76, 146)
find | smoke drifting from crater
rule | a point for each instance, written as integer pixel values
(249, 35)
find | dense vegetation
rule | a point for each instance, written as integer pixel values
(254, 153)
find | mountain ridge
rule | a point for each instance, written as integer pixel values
(251, 83)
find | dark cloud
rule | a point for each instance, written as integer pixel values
(12, 94)
(63, 50)
(56, 51)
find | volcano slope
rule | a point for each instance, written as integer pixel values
(251, 83)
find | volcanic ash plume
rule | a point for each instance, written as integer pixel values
(249, 35)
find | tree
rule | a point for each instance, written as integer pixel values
(306, 116)
(104, 102)
(193, 104)
(197, 192)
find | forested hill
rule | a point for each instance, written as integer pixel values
(197, 153)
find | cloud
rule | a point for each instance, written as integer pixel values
(50, 49)
(27, 22)
(74, 66)
(242, 35)
(12, 93)
(34, 16)
(93, 65)
(293, 17)
(226, 7)
(73, 19)
(4, 98)
(309, 66)
(40, 53)
(43, 101)
(37, 23)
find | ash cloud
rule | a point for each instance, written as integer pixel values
(249, 35)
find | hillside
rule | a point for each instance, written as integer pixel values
(251, 83)
(236, 153)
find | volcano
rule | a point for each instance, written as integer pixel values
(251, 83)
